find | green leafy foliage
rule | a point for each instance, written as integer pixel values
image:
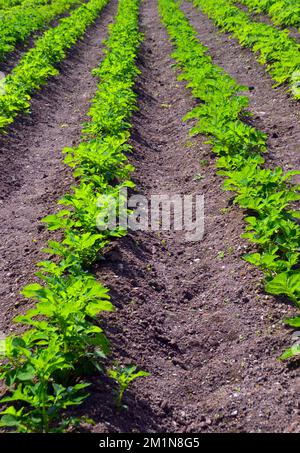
(282, 12)
(18, 22)
(294, 351)
(275, 48)
(286, 283)
(39, 63)
(6, 4)
(35, 399)
(294, 322)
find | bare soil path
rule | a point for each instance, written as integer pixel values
(193, 313)
(32, 174)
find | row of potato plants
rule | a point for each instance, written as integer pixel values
(266, 194)
(275, 48)
(44, 367)
(282, 12)
(19, 22)
(6, 4)
(39, 63)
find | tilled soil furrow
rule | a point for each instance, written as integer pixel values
(33, 176)
(274, 111)
(191, 313)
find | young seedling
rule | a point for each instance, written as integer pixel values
(124, 376)
(224, 210)
(189, 144)
(198, 177)
(230, 250)
(221, 254)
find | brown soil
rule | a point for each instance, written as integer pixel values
(33, 176)
(197, 321)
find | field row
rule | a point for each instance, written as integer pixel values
(19, 22)
(282, 12)
(279, 52)
(45, 364)
(8, 4)
(40, 62)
